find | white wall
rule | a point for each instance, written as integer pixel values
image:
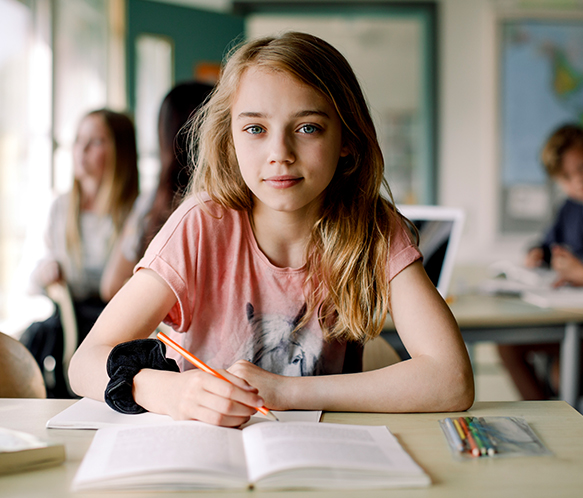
(467, 125)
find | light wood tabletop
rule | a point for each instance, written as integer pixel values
(559, 426)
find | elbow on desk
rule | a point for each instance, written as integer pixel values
(461, 397)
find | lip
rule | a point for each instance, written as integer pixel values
(283, 181)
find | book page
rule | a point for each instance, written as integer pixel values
(91, 414)
(143, 454)
(275, 447)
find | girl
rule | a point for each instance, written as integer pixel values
(283, 260)
(83, 226)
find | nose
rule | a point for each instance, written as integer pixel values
(281, 149)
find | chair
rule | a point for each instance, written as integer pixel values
(20, 375)
(378, 353)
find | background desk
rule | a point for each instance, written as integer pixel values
(558, 425)
(509, 320)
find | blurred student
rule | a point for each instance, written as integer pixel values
(153, 208)
(562, 247)
(82, 229)
(562, 250)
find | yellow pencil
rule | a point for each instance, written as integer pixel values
(203, 366)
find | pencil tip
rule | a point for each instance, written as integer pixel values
(272, 416)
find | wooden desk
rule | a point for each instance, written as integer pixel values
(558, 425)
(509, 320)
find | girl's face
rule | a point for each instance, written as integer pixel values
(93, 150)
(570, 179)
(287, 140)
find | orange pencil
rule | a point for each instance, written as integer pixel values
(203, 366)
(473, 446)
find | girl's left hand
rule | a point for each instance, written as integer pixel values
(271, 386)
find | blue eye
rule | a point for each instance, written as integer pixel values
(254, 130)
(309, 129)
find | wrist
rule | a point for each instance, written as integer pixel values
(125, 362)
(300, 393)
(152, 389)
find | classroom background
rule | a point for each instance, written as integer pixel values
(452, 109)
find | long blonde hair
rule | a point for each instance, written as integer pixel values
(347, 256)
(120, 184)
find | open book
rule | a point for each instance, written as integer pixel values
(270, 455)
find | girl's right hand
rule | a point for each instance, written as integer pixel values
(196, 395)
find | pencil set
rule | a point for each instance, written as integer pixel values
(470, 435)
(478, 437)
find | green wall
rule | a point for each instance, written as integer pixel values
(198, 35)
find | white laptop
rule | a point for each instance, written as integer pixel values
(440, 230)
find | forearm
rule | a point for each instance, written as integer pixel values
(133, 314)
(87, 371)
(402, 387)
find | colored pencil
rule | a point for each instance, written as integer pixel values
(474, 450)
(203, 366)
(454, 435)
(489, 442)
(459, 429)
(477, 436)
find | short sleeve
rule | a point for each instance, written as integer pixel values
(172, 255)
(403, 251)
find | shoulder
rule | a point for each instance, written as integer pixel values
(198, 217)
(202, 207)
(403, 250)
(61, 201)
(401, 235)
(59, 207)
(569, 210)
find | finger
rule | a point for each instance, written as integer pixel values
(233, 392)
(560, 251)
(237, 380)
(225, 406)
(211, 416)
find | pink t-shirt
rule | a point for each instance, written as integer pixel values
(232, 303)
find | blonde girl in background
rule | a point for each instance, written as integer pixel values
(281, 263)
(83, 226)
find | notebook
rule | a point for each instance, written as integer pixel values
(440, 230)
(90, 414)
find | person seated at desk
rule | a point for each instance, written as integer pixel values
(280, 263)
(152, 209)
(82, 227)
(562, 250)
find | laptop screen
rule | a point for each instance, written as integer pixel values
(439, 234)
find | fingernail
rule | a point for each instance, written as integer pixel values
(259, 403)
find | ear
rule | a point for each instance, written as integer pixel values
(344, 151)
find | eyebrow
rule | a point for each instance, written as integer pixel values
(300, 114)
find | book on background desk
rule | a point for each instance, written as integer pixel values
(513, 279)
(562, 297)
(91, 414)
(193, 455)
(20, 451)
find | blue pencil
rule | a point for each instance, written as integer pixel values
(490, 445)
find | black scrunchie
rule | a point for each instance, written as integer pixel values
(124, 362)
